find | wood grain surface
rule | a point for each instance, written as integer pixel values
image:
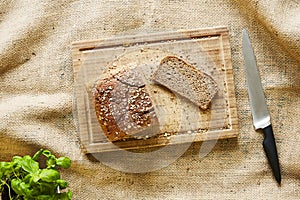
(207, 49)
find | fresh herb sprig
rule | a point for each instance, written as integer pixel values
(24, 177)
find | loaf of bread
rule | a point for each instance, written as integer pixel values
(186, 80)
(123, 106)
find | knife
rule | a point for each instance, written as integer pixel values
(260, 113)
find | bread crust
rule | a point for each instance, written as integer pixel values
(123, 106)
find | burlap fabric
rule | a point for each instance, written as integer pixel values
(36, 92)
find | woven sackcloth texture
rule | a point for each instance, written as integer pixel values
(36, 93)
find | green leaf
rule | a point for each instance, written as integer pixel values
(48, 188)
(66, 195)
(35, 178)
(16, 162)
(6, 168)
(16, 159)
(63, 162)
(51, 161)
(31, 178)
(21, 188)
(28, 178)
(32, 183)
(62, 183)
(25, 189)
(29, 165)
(15, 185)
(49, 175)
(70, 194)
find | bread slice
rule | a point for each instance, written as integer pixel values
(186, 80)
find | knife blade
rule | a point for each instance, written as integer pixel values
(259, 109)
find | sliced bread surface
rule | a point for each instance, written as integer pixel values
(186, 80)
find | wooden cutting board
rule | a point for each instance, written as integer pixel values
(180, 120)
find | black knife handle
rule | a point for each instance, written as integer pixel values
(271, 151)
